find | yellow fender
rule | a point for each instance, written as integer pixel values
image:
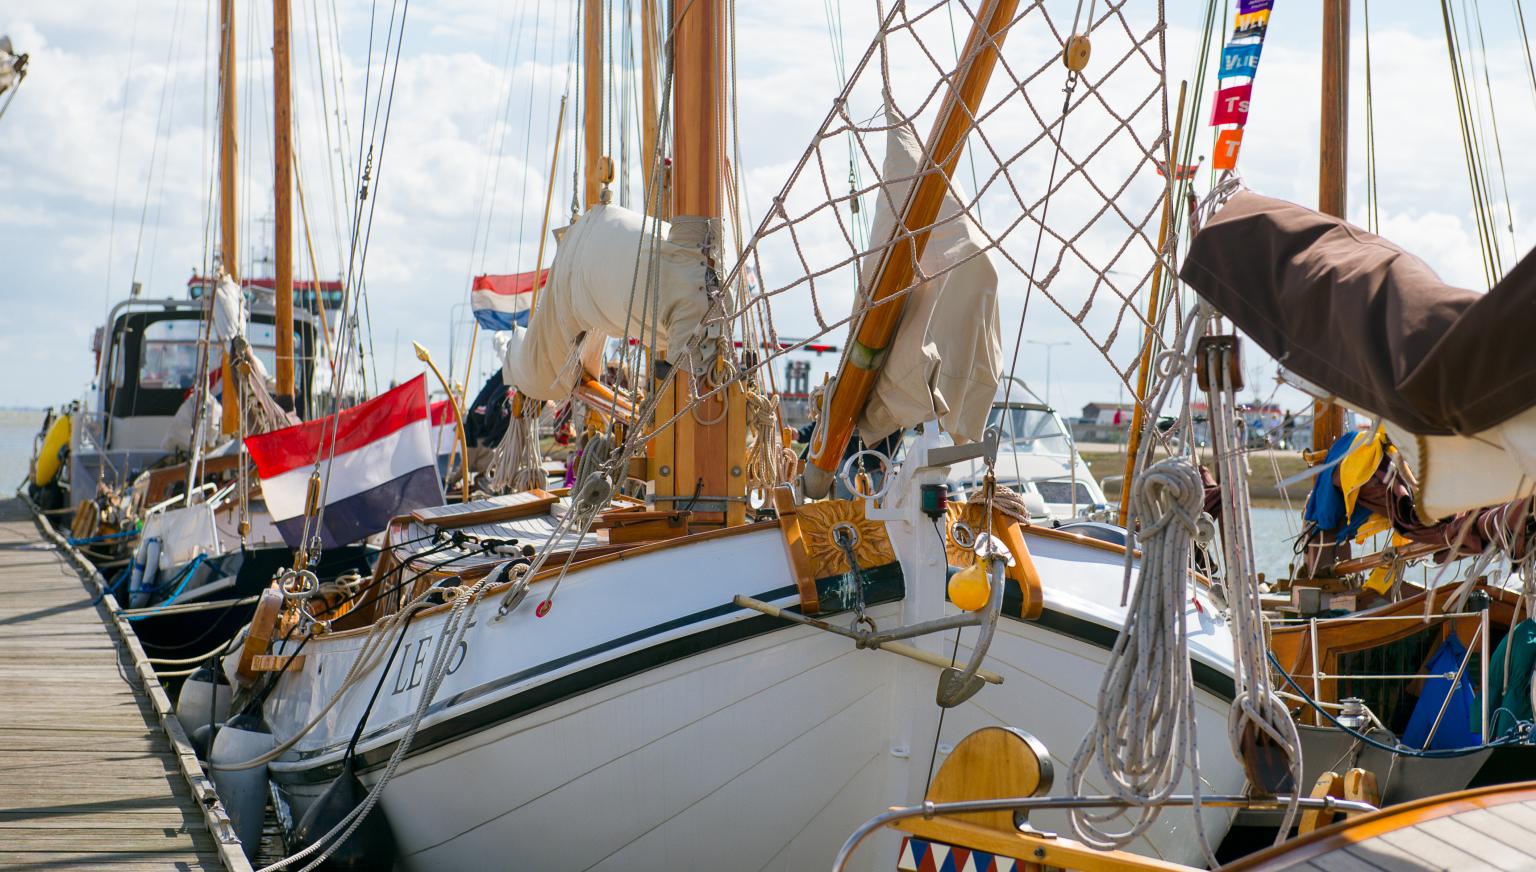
(46, 466)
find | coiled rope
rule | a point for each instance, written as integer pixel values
(1143, 731)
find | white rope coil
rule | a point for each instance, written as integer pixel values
(1144, 729)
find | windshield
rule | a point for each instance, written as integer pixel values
(1035, 431)
(169, 360)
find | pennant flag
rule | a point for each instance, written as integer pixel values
(1241, 59)
(1184, 173)
(1231, 105)
(1245, 7)
(445, 433)
(502, 301)
(376, 464)
(1227, 144)
(1251, 24)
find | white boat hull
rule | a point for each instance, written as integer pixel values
(685, 748)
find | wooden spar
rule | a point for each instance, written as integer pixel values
(229, 251)
(597, 170)
(696, 109)
(874, 330)
(704, 455)
(282, 199)
(1144, 368)
(649, 105)
(1333, 158)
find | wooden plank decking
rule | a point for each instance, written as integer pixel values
(88, 777)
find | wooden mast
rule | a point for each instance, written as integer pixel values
(873, 333)
(699, 462)
(1333, 157)
(228, 239)
(597, 169)
(282, 185)
(649, 107)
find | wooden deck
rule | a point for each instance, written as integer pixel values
(89, 779)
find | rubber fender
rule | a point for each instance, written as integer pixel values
(243, 791)
(371, 845)
(50, 456)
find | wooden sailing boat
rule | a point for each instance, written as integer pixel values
(582, 680)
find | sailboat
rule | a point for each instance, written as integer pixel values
(700, 677)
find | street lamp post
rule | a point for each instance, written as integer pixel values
(1048, 347)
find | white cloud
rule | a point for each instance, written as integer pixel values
(59, 156)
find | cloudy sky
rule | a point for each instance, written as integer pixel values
(105, 153)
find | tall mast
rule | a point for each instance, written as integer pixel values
(282, 185)
(700, 460)
(229, 251)
(874, 331)
(649, 106)
(1333, 158)
(597, 169)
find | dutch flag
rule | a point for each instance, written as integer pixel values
(503, 301)
(381, 466)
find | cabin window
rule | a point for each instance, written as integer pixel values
(1061, 492)
(1030, 430)
(169, 355)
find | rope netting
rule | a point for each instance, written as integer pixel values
(1063, 171)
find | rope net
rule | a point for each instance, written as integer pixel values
(1060, 173)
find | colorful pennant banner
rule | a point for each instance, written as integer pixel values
(1239, 66)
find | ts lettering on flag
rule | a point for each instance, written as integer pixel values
(376, 463)
(445, 433)
(1240, 59)
(1246, 7)
(503, 301)
(1232, 105)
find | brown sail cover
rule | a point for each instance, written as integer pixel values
(1367, 321)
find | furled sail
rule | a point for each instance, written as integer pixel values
(1451, 371)
(607, 264)
(944, 361)
(12, 65)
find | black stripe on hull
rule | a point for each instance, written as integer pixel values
(882, 585)
(885, 584)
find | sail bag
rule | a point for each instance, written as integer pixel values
(944, 361)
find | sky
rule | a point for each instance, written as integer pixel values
(105, 155)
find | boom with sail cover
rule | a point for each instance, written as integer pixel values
(1450, 370)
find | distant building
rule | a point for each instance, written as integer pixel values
(1108, 413)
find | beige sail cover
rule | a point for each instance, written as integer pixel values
(595, 292)
(944, 361)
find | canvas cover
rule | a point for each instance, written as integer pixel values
(1367, 321)
(944, 361)
(596, 291)
(1452, 372)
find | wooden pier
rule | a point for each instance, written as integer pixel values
(91, 776)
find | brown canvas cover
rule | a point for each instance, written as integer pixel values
(1367, 321)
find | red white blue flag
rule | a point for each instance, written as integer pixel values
(376, 463)
(445, 430)
(502, 301)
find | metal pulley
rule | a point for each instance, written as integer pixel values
(1076, 52)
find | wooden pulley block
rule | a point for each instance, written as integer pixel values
(1076, 52)
(1220, 342)
(604, 170)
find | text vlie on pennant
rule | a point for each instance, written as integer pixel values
(1227, 144)
(1250, 25)
(1240, 59)
(1244, 7)
(1231, 105)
